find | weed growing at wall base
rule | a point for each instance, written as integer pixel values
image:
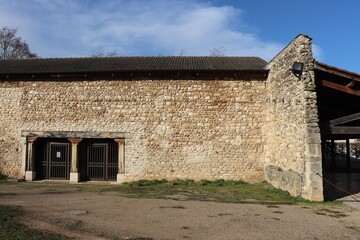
(3, 177)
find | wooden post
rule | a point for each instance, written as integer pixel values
(348, 167)
(74, 173)
(333, 163)
(30, 172)
(121, 159)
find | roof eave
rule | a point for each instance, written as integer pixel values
(336, 71)
(137, 70)
(255, 74)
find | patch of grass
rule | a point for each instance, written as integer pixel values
(222, 182)
(182, 190)
(182, 182)
(205, 190)
(11, 228)
(58, 187)
(144, 182)
(3, 177)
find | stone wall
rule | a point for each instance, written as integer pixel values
(10, 143)
(177, 128)
(293, 145)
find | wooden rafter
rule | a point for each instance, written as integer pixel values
(334, 127)
(351, 84)
(337, 71)
(339, 87)
(345, 119)
(344, 130)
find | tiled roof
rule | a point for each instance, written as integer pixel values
(113, 64)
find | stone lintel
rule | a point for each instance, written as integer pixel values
(74, 134)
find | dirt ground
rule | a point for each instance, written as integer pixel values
(107, 215)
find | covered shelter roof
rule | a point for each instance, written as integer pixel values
(338, 101)
(339, 79)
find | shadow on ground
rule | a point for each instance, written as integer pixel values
(342, 186)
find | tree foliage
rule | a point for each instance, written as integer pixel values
(12, 46)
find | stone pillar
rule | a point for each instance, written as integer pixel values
(121, 160)
(313, 183)
(23, 156)
(30, 172)
(74, 173)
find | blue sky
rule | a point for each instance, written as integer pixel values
(76, 28)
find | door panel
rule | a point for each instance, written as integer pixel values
(58, 161)
(97, 161)
(53, 160)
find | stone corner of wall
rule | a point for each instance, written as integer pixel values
(297, 49)
(289, 154)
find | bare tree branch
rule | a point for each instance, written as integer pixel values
(12, 47)
(101, 52)
(218, 52)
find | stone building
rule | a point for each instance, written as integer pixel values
(129, 118)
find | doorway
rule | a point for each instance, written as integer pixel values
(54, 156)
(98, 160)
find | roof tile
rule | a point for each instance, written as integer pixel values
(73, 65)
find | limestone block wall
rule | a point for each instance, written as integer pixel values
(293, 145)
(10, 144)
(193, 129)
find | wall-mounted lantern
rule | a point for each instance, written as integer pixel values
(297, 69)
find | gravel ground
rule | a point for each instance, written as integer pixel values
(106, 215)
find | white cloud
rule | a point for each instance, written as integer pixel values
(317, 52)
(75, 28)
